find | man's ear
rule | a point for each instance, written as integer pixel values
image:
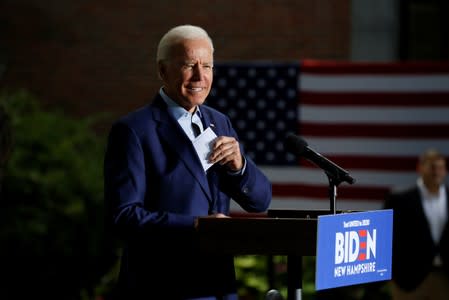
(161, 70)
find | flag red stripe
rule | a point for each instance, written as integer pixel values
(387, 131)
(375, 99)
(384, 163)
(344, 68)
(321, 192)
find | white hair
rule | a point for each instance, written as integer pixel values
(177, 34)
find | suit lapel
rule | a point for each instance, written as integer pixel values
(421, 215)
(174, 135)
(208, 121)
(446, 226)
(447, 201)
(213, 172)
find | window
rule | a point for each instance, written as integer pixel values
(424, 30)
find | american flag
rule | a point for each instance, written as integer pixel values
(372, 119)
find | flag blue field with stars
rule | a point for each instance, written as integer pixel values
(261, 101)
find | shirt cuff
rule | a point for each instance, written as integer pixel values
(241, 171)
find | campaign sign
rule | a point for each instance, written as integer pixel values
(353, 248)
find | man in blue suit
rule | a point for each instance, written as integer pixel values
(156, 185)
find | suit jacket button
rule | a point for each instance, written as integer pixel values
(245, 190)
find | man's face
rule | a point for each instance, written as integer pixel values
(433, 171)
(188, 74)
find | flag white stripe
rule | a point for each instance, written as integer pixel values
(316, 176)
(311, 204)
(373, 115)
(375, 146)
(373, 83)
(307, 203)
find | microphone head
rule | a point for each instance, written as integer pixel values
(273, 295)
(294, 144)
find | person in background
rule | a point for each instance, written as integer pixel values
(421, 233)
(156, 186)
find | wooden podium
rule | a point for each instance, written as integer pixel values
(281, 232)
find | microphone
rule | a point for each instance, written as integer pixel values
(273, 295)
(298, 146)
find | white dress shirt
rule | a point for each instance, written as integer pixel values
(183, 117)
(435, 210)
(185, 120)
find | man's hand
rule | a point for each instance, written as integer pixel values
(216, 215)
(226, 151)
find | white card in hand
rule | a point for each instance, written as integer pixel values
(203, 146)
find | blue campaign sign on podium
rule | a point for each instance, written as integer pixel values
(353, 248)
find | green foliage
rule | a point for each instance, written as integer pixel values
(251, 276)
(253, 281)
(51, 208)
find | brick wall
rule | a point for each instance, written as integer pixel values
(88, 56)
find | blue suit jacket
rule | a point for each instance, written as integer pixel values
(154, 187)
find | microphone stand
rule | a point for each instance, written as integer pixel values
(334, 181)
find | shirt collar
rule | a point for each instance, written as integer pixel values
(425, 192)
(177, 111)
